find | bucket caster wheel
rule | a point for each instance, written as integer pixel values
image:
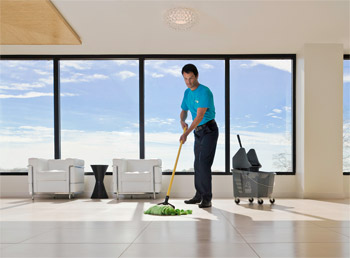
(237, 200)
(272, 200)
(260, 201)
(251, 200)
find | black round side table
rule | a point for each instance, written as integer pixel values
(99, 190)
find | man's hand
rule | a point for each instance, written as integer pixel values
(184, 125)
(183, 137)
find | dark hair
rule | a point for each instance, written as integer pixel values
(190, 68)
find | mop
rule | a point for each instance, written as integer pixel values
(166, 208)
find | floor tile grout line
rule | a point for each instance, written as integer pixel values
(14, 206)
(331, 229)
(8, 245)
(136, 238)
(305, 242)
(58, 228)
(21, 242)
(239, 233)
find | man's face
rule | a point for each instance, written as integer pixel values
(190, 79)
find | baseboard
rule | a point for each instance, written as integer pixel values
(307, 195)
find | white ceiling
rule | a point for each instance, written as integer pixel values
(224, 27)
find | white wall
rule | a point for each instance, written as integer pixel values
(346, 184)
(322, 115)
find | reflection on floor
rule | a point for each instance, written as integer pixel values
(110, 228)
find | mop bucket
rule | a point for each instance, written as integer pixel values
(248, 181)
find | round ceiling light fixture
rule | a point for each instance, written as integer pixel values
(180, 18)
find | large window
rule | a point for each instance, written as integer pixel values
(346, 116)
(100, 115)
(26, 113)
(105, 110)
(164, 90)
(261, 106)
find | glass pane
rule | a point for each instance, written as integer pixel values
(164, 90)
(346, 117)
(261, 105)
(26, 113)
(100, 110)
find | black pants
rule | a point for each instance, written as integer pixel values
(204, 152)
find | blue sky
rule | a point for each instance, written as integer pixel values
(100, 105)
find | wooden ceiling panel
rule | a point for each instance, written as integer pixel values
(34, 22)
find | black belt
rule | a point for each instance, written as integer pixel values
(200, 127)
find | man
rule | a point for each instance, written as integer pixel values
(198, 99)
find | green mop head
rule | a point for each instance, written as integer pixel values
(166, 210)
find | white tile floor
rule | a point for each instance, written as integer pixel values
(110, 228)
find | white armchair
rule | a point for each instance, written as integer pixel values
(137, 176)
(55, 176)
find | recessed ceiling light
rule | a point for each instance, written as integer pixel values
(181, 18)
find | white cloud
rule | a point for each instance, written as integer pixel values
(252, 138)
(25, 134)
(346, 78)
(125, 75)
(277, 110)
(161, 68)
(243, 127)
(97, 76)
(78, 65)
(27, 95)
(18, 64)
(287, 109)
(20, 143)
(22, 86)
(67, 94)
(155, 63)
(16, 68)
(284, 65)
(126, 62)
(173, 70)
(157, 120)
(80, 77)
(248, 116)
(48, 80)
(207, 66)
(277, 117)
(157, 75)
(41, 72)
(35, 128)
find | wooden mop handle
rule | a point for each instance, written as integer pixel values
(172, 175)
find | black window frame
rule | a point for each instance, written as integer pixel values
(141, 59)
(346, 57)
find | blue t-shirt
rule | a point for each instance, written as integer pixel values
(201, 97)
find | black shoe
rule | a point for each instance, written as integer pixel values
(204, 204)
(193, 201)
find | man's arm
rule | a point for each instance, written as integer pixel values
(195, 123)
(183, 116)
